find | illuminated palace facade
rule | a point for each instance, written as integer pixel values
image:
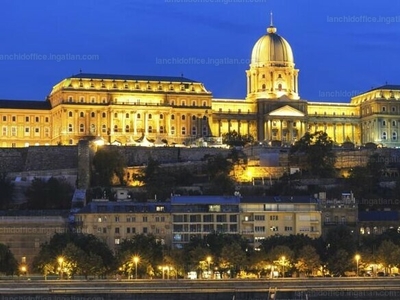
(123, 109)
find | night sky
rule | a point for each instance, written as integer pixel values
(341, 47)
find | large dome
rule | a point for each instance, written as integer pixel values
(272, 49)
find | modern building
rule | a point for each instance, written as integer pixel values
(263, 217)
(198, 216)
(114, 222)
(123, 109)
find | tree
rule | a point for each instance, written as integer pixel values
(7, 191)
(314, 153)
(340, 238)
(232, 258)
(83, 254)
(108, 163)
(55, 193)
(233, 138)
(308, 260)
(340, 262)
(8, 263)
(388, 254)
(147, 248)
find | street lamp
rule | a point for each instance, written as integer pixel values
(357, 260)
(60, 263)
(209, 265)
(136, 260)
(283, 266)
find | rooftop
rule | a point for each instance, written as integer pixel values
(133, 77)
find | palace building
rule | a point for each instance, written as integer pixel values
(125, 109)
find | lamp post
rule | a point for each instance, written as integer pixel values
(209, 265)
(136, 260)
(283, 266)
(357, 260)
(60, 263)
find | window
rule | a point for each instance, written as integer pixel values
(394, 136)
(183, 102)
(205, 131)
(115, 128)
(394, 123)
(144, 219)
(81, 114)
(27, 130)
(384, 135)
(92, 100)
(150, 116)
(116, 218)
(138, 116)
(115, 115)
(83, 99)
(161, 116)
(288, 228)
(92, 114)
(103, 115)
(26, 119)
(383, 123)
(274, 228)
(70, 114)
(117, 241)
(161, 129)
(37, 119)
(193, 103)
(172, 117)
(14, 118)
(127, 128)
(183, 130)
(383, 108)
(193, 118)
(172, 130)
(259, 228)
(13, 131)
(117, 230)
(183, 117)
(204, 103)
(393, 109)
(150, 129)
(103, 128)
(81, 128)
(259, 218)
(4, 118)
(273, 218)
(194, 131)
(4, 131)
(144, 229)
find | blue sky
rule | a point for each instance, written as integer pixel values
(341, 47)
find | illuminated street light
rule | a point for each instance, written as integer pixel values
(357, 257)
(60, 263)
(209, 265)
(283, 265)
(136, 260)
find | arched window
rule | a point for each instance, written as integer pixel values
(194, 118)
(115, 128)
(172, 130)
(127, 115)
(193, 103)
(183, 130)
(70, 128)
(103, 128)
(138, 116)
(70, 114)
(150, 116)
(127, 128)
(279, 86)
(161, 129)
(150, 129)
(161, 116)
(92, 114)
(384, 135)
(183, 117)
(394, 135)
(104, 115)
(81, 128)
(172, 117)
(82, 114)
(194, 131)
(263, 87)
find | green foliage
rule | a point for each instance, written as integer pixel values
(308, 260)
(365, 181)
(314, 153)
(54, 193)
(7, 191)
(339, 262)
(83, 254)
(108, 163)
(8, 263)
(218, 164)
(233, 138)
(388, 254)
(149, 251)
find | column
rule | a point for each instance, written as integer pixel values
(352, 133)
(281, 128)
(134, 123)
(344, 132)
(145, 122)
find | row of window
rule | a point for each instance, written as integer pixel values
(138, 116)
(385, 136)
(129, 219)
(138, 86)
(333, 113)
(204, 218)
(27, 119)
(27, 131)
(150, 129)
(384, 123)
